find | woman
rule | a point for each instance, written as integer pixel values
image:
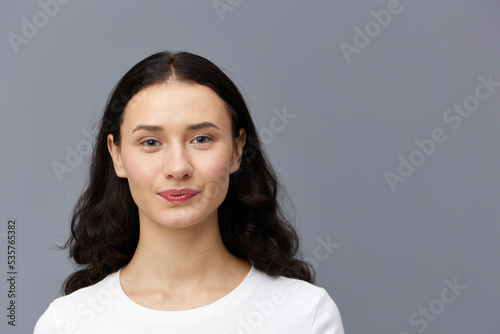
(180, 229)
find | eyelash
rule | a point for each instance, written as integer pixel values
(156, 142)
(145, 142)
(208, 139)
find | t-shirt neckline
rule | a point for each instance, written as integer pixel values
(126, 304)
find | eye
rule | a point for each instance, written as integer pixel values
(151, 142)
(201, 140)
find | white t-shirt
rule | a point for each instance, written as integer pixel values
(260, 304)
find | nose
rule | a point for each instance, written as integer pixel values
(177, 163)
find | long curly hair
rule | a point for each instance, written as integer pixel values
(253, 226)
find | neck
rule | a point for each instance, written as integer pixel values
(183, 258)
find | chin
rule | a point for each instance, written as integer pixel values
(183, 221)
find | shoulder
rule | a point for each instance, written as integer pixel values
(296, 290)
(82, 303)
(299, 301)
(290, 288)
(101, 291)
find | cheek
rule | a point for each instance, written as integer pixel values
(139, 171)
(216, 175)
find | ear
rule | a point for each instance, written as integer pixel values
(239, 143)
(115, 153)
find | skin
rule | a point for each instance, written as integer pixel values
(180, 262)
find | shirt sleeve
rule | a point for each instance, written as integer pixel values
(327, 319)
(46, 324)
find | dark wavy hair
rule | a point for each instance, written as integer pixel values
(253, 226)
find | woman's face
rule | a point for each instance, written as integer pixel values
(177, 152)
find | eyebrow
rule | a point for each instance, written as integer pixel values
(157, 128)
(151, 128)
(202, 126)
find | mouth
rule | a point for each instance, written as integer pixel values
(178, 196)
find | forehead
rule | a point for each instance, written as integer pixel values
(175, 102)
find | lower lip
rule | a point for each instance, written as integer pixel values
(178, 199)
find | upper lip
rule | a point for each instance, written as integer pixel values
(178, 192)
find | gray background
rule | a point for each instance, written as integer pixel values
(393, 249)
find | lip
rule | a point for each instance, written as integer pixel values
(178, 196)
